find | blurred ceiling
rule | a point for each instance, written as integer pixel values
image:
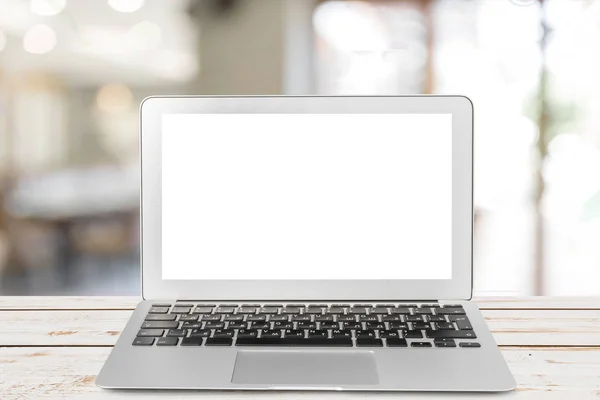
(91, 42)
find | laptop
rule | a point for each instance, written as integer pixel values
(307, 243)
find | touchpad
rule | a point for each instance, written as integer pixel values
(305, 368)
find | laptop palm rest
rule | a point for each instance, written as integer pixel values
(283, 367)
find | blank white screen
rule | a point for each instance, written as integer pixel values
(307, 196)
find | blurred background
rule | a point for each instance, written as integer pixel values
(72, 74)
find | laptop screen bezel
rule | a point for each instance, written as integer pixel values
(458, 287)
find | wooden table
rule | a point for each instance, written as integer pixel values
(55, 346)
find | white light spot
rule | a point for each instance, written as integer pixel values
(47, 7)
(39, 39)
(126, 6)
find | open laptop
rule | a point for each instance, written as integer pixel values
(307, 243)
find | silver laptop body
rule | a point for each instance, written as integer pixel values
(202, 327)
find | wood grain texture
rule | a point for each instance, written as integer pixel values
(53, 347)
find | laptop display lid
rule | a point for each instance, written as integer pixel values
(307, 198)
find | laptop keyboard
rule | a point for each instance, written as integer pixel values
(307, 325)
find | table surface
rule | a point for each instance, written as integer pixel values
(53, 347)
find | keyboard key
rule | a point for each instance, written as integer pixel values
(224, 310)
(437, 318)
(450, 311)
(411, 334)
(312, 333)
(462, 322)
(260, 325)
(295, 342)
(375, 325)
(329, 325)
(314, 310)
(365, 342)
(420, 344)
(237, 325)
(223, 333)
(307, 325)
(206, 305)
(334, 310)
(247, 310)
(191, 341)
(318, 305)
(379, 310)
(191, 325)
(200, 333)
(396, 342)
(389, 334)
(452, 334)
(390, 318)
(228, 305)
(269, 333)
(233, 317)
(219, 342)
(256, 318)
(346, 318)
(385, 305)
(364, 305)
(414, 318)
(368, 318)
(430, 305)
(268, 310)
(203, 310)
(181, 310)
(299, 318)
(143, 341)
(150, 332)
(398, 325)
(176, 332)
(444, 326)
(161, 305)
(365, 334)
(283, 325)
(337, 333)
(291, 310)
(274, 318)
(445, 344)
(423, 311)
(296, 305)
(400, 310)
(167, 341)
(294, 333)
(357, 310)
(421, 325)
(158, 310)
(161, 317)
(323, 318)
(251, 305)
(188, 317)
(352, 325)
(469, 344)
(245, 333)
(211, 317)
(452, 306)
(214, 325)
(160, 325)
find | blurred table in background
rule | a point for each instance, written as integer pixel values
(88, 211)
